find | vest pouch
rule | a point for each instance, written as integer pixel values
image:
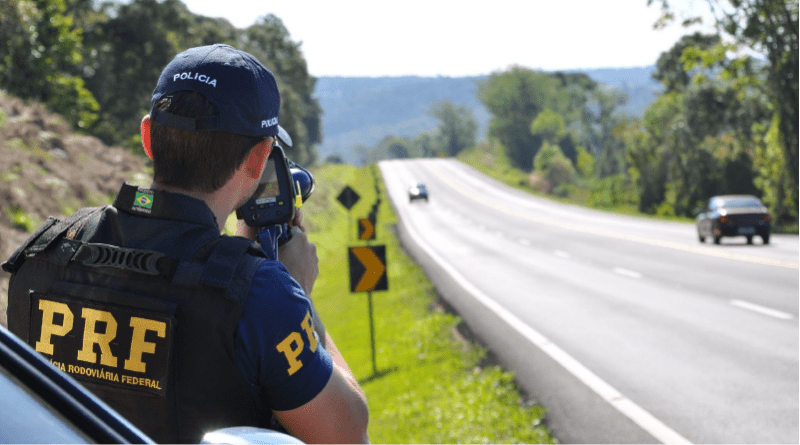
(112, 339)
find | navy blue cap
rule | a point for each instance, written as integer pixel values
(242, 89)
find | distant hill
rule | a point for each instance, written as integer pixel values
(363, 110)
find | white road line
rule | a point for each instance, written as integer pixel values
(627, 272)
(611, 395)
(562, 254)
(761, 309)
(524, 242)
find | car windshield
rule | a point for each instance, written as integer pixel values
(742, 203)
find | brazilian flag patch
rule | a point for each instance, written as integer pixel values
(144, 200)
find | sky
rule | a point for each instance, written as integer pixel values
(465, 38)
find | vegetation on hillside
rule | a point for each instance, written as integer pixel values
(47, 170)
(96, 62)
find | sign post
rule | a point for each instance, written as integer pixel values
(367, 274)
(348, 198)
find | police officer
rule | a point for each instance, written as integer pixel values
(180, 329)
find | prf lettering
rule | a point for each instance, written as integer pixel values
(293, 344)
(91, 337)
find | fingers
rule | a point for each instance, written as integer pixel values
(298, 220)
(299, 255)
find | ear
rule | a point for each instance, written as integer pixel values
(254, 163)
(145, 128)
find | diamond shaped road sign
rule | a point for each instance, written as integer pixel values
(348, 197)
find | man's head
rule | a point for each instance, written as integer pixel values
(211, 106)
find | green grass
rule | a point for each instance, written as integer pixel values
(21, 220)
(430, 386)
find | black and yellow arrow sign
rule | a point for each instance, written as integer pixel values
(366, 229)
(368, 269)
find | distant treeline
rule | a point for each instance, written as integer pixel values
(723, 124)
(97, 62)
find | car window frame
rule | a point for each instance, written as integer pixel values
(67, 399)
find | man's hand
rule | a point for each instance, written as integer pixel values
(299, 256)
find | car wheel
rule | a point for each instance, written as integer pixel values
(701, 238)
(749, 239)
(716, 239)
(765, 238)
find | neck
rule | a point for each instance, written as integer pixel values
(219, 202)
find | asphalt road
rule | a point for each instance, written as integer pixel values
(626, 329)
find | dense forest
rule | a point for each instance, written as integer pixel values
(725, 122)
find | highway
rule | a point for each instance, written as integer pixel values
(628, 330)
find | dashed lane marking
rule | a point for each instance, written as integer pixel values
(627, 272)
(761, 309)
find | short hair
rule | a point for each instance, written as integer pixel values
(198, 161)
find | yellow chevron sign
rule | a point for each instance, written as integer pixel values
(366, 229)
(368, 269)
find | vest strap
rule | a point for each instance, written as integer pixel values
(221, 265)
(49, 232)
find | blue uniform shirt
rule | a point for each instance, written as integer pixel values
(277, 350)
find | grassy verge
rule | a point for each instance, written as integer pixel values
(429, 386)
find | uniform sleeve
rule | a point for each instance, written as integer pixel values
(277, 349)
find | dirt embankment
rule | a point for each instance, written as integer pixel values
(45, 170)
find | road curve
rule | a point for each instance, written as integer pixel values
(626, 329)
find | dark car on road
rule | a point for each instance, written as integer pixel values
(734, 215)
(418, 191)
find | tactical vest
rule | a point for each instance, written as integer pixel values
(141, 306)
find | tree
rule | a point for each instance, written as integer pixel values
(40, 49)
(424, 145)
(584, 163)
(514, 98)
(133, 46)
(394, 147)
(457, 127)
(670, 67)
(600, 119)
(549, 126)
(770, 27)
(551, 165)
